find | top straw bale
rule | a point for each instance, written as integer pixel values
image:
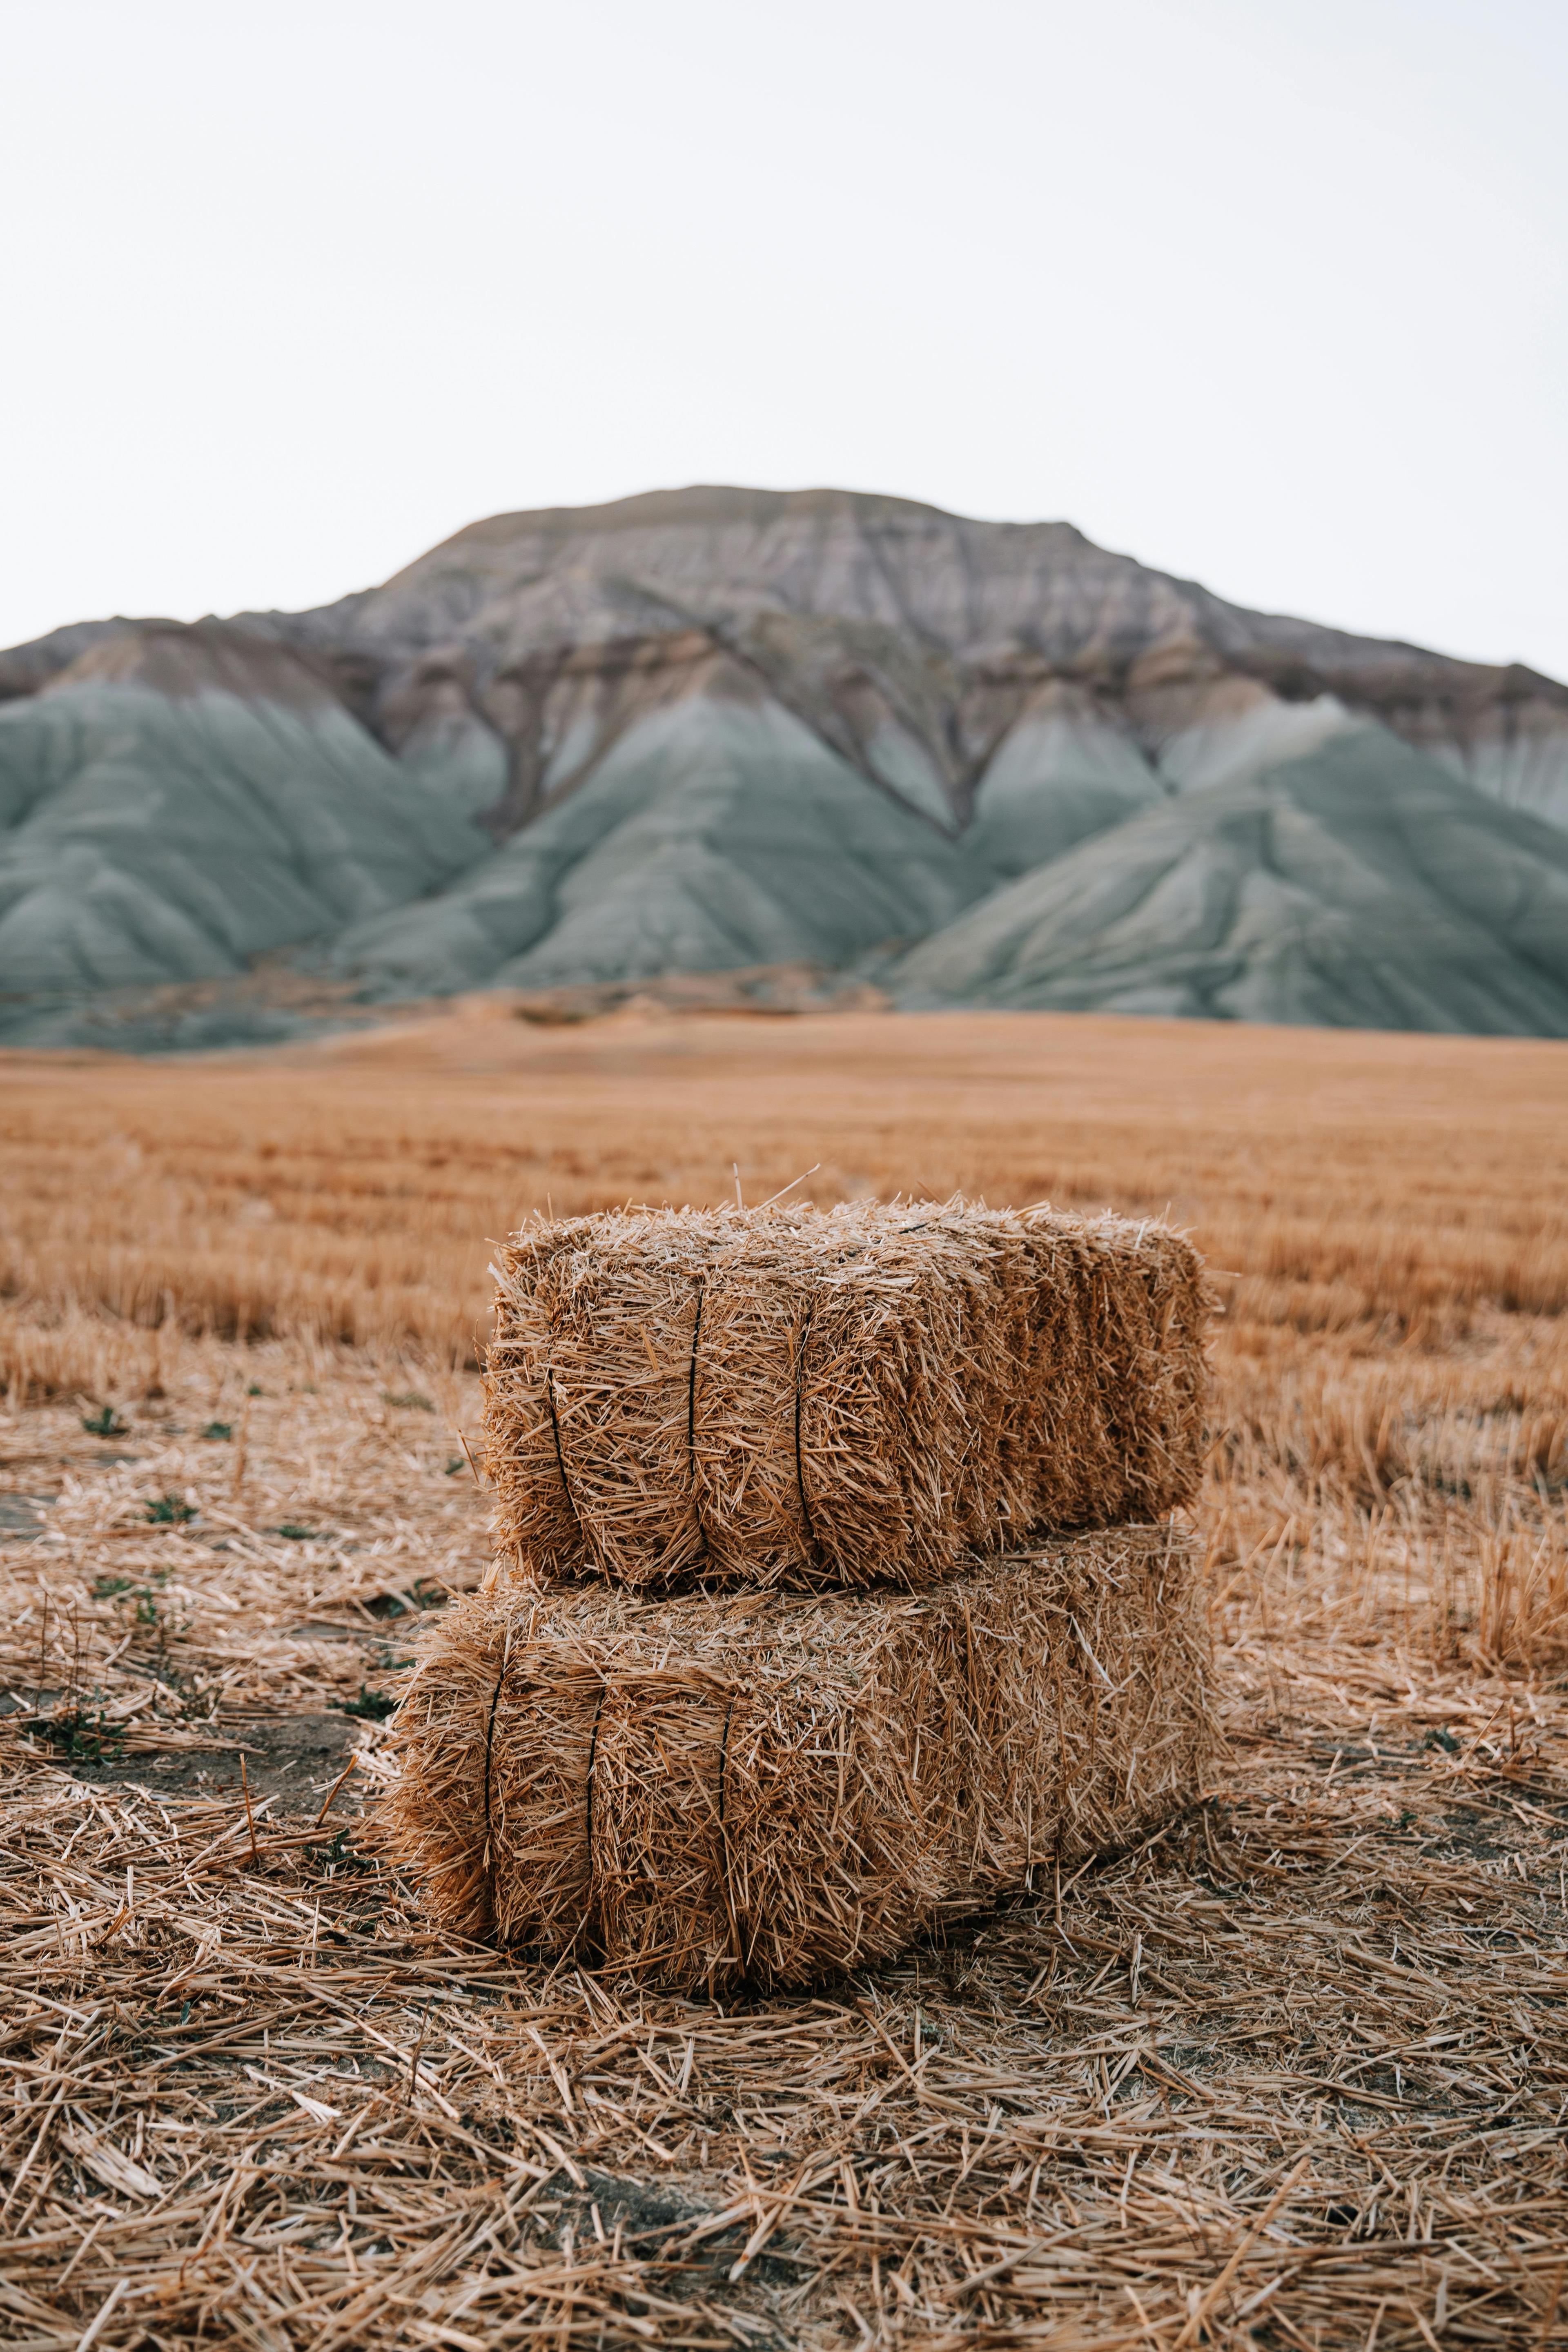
(809, 1399)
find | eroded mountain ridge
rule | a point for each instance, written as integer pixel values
(712, 729)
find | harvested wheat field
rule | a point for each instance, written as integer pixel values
(1291, 2071)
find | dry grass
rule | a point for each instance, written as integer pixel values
(1351, 1181)
(1293, 2076)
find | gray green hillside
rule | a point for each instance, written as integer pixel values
(1362, 886)
(716, 834)
(720, 729)
(153, 834)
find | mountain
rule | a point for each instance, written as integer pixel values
(714, 728)
(1361, 886)
(176, 800)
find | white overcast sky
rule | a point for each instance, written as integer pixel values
(1269, 293)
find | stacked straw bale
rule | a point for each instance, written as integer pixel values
(818, 1399)
(724, 1789)
(787, 1657)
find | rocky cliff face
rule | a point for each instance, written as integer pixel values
(719, 727)
(914, 640)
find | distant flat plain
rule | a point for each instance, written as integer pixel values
(1366, 1182)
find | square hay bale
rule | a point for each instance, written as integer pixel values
(760, 1789)
(815, 1398)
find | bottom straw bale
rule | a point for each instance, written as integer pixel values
(759, 1789)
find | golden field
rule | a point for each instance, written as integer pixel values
(346, 1188)
(1297, 2075)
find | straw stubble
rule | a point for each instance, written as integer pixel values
(727, 1789)
(818, 1400)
